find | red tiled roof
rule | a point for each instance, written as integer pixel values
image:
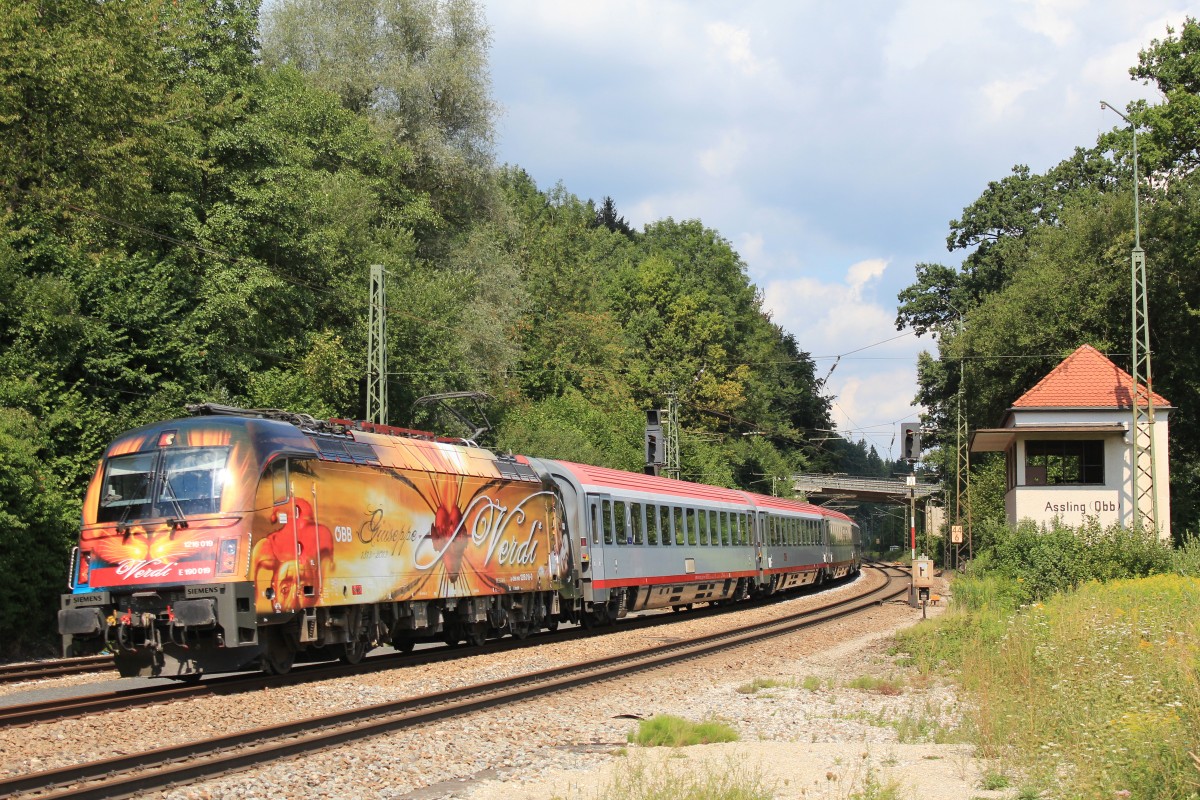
(1085, 379)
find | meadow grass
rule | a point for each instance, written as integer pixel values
(1092, 693)
(665, 730)
(641, 779)
(763, 683)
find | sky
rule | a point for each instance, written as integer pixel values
(829, 143)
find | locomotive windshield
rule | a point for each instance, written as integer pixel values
(167, 483)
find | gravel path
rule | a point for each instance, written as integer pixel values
(821, 741)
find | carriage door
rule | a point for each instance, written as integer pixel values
(600, 539)
(761, 555)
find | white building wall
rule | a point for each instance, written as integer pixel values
(1110, 503)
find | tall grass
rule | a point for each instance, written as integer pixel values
(684, 780)
(1095, 692)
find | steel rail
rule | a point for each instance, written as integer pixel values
(131, 775)
(77, 706)
(34, 670)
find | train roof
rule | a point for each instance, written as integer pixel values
(787, 504)
(602, 478)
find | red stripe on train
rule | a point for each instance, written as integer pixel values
(663, 580)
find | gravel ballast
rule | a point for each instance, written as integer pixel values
(821, 741)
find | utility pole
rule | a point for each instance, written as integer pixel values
(377, 349)
(1144, 466)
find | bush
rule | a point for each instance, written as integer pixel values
(1046, 561)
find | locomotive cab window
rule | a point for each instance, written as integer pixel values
(125, 493)
(193, 480)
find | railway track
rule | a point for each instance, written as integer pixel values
(57, 668)
(134, 774)
(125, 699)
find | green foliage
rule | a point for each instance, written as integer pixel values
(665, 730)
(1046, 561)
(758, 684)
(874, 684)
(37, 523)
(573, 428)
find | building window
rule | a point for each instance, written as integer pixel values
(1066, 462)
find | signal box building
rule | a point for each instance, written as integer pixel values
(1068, 446)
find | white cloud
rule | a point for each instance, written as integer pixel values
(841, 323)
(726, 157)
(814, 136)
(1001, 95)
(864, 273)
(1052, 19)
(733, 46)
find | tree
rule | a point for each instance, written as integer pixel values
(418, 68)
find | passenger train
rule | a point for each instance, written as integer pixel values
(240, 539)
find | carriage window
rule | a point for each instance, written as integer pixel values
(691, 525)
(725, 532)
(651, 524)
(714, 533)
(635, 519)
(794, 530)
(664, 523)
(620, 522)
(606, 517)
(702, 524)
(679, 529)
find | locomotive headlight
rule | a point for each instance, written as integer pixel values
(85, 567)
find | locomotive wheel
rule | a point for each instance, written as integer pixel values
(404, 645)
(354, 652)
(520, 628)
(552, 624)
(277, 656)
(477, 635)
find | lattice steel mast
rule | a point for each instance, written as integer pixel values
(1144, 466)
(377, 349)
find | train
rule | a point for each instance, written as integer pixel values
(240, 539)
